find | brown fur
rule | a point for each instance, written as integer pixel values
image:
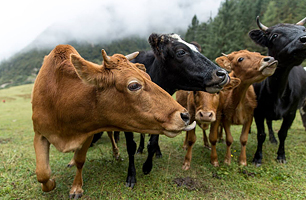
(237, 106)
(74, 99)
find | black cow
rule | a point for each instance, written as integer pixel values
(173, 64)
(280, 95)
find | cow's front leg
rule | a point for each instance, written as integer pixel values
(229, 141)
(79, 159)
(243, 140)
(114, 144)
(152, 148)
(43, 170)
(131, 149)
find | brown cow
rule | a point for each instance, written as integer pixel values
(74, 99)
(202, 107)
(237, 106)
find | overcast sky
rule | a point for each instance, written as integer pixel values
(23, 20)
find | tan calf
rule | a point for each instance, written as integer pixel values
(74, 99)
(236, 106)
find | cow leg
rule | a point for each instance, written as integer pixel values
(220, 134)
(116, 136)
(303, 113)
(243, 140)
(213, 134)
(282, 134)
(272, 138)
(131, 149)
(229, 141)
(114, 145)
(79, 159)
(261, 137)
(141, 143)
(185, 141)
(190, 142)
(43, 170)
(152, 147)
(205, 139)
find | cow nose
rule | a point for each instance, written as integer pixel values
(303, 39)
(185, 117)
(221, 73)
(266, 59)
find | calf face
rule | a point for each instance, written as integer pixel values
(186, 66)
(286, 42)
(248, 66)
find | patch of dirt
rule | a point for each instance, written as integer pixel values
(25, 96)
(5, 140)
(7, 98)
(188, 182)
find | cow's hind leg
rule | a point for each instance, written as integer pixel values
(152, 148)
(114, 144)
(272, 138)
(43, 170)
(79, 159)
(131, 149)
(141, 143)
(243, 140)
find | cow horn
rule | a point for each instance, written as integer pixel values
(302, 22)
(132, 55)
(224, 54)
(106, 58)
(260, 25)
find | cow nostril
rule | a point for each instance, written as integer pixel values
(185, 117)
(210, 115)
(266, 59)
(221, 73)
(303, 39)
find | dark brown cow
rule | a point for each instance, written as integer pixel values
(237, 106)
(74, 99)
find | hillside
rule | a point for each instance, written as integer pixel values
(24, 66)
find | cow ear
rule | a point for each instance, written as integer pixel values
(86, 70)
(234, 82)
(157, 43)
(259, 37)
(141, 67)
(224, 62)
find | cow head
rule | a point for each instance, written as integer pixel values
(187, 68)
(286, 42)
(126, 97)
(250, 67)
(206, 104)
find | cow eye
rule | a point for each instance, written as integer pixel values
(180, 53)
(274, 36)
(240, 59)
(134, 86)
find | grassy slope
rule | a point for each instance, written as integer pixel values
(104, 177)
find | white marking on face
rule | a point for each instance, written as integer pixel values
(179, 39)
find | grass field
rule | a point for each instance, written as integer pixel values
(104, 177)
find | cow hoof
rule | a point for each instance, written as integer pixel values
(76, 192)
(140, 150)
(130, 181)
(71, 163)
(215, 163)
(186, 166)
(146, 168)
(49, 186)
(243, 163)
(158, 155)
(273, 141)
(207, 147)
(257, 162)
(281, 159)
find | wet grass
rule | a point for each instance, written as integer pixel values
(104, 177)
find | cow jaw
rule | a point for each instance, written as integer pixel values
(172, 134)
(268, 69)
(216, 88)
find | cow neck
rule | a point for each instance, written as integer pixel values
(278, 81)
(238, 94)
(156, 69)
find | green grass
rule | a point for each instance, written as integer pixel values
(104, 177)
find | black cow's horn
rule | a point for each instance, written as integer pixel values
(132, 55)
(260, 25)
(106, 58)
(302, 22)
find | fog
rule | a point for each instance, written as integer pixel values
(55, 22)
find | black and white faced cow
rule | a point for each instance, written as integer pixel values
(173, 64)
(280, 95)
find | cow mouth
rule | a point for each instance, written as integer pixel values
(214, 88)
(269, 69)
(172, 134)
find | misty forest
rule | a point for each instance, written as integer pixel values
(226, 32)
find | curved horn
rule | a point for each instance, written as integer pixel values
(302, 22)
(106, 58)
(132, 55)
(260, 25)
(224, 54)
